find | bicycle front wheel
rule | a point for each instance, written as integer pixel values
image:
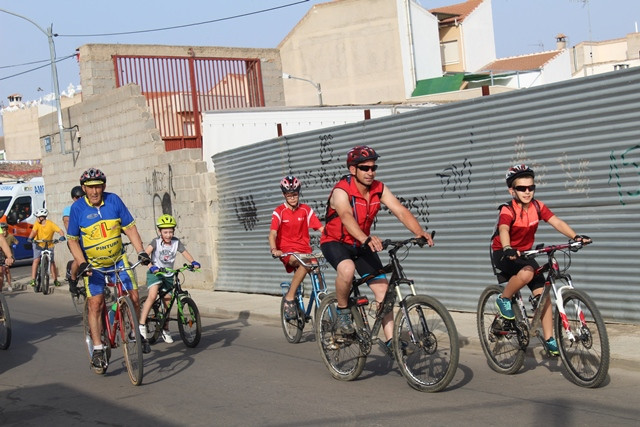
(189, 323)
(292, 328)
(89, 342)
(425, 343)
(499, 340)
(44, 276)
(154, 320)
(131, 339)
(586, 357)
(342, 355)
(5, 324)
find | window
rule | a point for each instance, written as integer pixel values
(20, 210)
(449, 52)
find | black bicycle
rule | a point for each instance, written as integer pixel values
(187, 316)
(5, 324)
(425, 339)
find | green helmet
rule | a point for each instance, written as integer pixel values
(166, 221)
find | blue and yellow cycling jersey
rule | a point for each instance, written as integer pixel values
(99, 228)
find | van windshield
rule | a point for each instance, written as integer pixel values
(4, 203)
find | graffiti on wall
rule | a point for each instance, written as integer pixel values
(456, 179)
(576, 178)
(624, 170)
(160, 187)
(246, 211)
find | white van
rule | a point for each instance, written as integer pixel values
(18, 201)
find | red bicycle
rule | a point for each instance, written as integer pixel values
(119, 323)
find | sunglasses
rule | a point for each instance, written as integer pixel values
(368, 168)
(523, 188)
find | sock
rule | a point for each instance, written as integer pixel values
(143, 331)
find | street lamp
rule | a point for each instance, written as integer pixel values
(316, 85)
(54, 72)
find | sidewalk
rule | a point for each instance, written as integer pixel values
(624, 339)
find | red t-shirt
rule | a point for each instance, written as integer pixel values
(523, 229)
(293, 227)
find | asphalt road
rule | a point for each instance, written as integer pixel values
(243, 372)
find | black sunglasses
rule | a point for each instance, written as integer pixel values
(367, 168)
(523, 188)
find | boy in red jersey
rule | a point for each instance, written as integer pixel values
(289, 232)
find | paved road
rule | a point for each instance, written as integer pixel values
(244, 373)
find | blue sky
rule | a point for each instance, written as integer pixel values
(520, 26)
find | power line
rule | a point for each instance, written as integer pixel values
(37, 68)
(185, 25)
(26, 63)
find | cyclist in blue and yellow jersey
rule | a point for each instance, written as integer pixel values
(347, 242)
(96, 223)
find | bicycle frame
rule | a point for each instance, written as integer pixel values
(176, 291)
(318, 284)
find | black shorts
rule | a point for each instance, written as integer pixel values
(511, 267)
(367, 262)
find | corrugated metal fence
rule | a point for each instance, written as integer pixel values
(447, 165)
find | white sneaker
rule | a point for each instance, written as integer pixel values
(166, 336)
(9, 289)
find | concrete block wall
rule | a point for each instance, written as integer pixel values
(118, 135)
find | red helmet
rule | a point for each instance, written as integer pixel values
(518, 171)
(359, 154)
(290, 184)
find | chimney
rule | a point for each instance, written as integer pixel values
(14, 99)
(561, 41)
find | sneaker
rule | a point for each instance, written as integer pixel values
(290, 310)
(552, 347)
(32, 283)
(166, 336)
(504, 307)
(9, 289)
(146, 348)
(345, 326)
(403, 346)
(97, 361)
(56, 283)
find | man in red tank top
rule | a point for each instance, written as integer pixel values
(346, 241)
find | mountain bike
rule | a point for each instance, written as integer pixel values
(42, 273)
(119, 322)
(578, 326)
(425, 339)
(5, 324)
(188, 315)
(293, 328)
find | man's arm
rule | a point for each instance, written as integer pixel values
(134, 238)
(7, 251)
(76, 251)
(404, 215)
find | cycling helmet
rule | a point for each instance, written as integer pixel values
(359, 154)
(93, 176)
(290, 184)
(77, 192)
(518, 171)
(41, 212)
(166, 221)
(4, 225)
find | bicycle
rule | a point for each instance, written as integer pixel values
(5, 324)
(293, 328)
(425, 339)
(78, 298)
(578, 326)
(123, 320)
(188, 315)
(42, 273)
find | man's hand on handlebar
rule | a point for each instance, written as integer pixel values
(84, 269)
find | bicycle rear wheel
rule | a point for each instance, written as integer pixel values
(292, 328)
(131, 340)
(499, 340)
(154, 320)
(189, 323)
(587, 358)
(5, 324)
(342, 355)
(426, 344)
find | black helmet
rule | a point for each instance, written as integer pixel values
(76, 192)
(290, 184)
(518, 171)
(93, 176)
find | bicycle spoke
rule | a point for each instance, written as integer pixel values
(132, 343)
(189, 322)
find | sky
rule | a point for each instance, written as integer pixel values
(520, 27)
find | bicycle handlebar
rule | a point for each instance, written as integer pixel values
(420, 241)
(306, 260)
(573, 246)
(179, 270)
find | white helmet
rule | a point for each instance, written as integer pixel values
(41, 212)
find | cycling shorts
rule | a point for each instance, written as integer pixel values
(367, 262)
(511, 267)
(94, 284)
(37, 250)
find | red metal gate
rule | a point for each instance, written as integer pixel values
(178, 89)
